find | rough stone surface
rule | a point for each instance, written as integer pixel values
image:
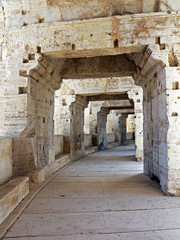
(11, 194)
(5, 159)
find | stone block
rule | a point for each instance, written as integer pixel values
(5, 159)
(38, 177)
(61, 162)
(58, 144)
(11, 194)
(87, 140)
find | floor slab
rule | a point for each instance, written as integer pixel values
(103, 196)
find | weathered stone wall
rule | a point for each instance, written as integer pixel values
(87, 140)
(5, 159)
(173, 139)
(28, 105)
(34, 144)
(111, 137)
(22, 13)
(161, 92)
(131, 123)
(130, 127)
(58, 144)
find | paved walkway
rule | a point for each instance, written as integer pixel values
(103, 196)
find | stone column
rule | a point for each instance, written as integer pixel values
(29, 105)
(123, 129)
(77, 147)
(159, 76)
(101, 128)
(136, 94)
(119, 131)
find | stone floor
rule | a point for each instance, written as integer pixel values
(103, 196)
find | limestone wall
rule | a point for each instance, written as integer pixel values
(111, 137)
(131, 123)
(5, 159)
(130, 127)
(161, 115)
(26, 12)
(87, 140)
(58, 144)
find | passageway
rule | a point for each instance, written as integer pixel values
(102, 196)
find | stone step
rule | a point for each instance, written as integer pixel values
(90, 150)
(39, 176)
(114, 144)
(11, 194)
(61, 162)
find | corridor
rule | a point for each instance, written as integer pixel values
(103, 196)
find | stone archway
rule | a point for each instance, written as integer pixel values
(118, 36)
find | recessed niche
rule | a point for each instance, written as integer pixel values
(38, 49)
(116, 43)
(22, 90)
(73, 46)
(24, 12)
(51, 73)
(158, 40)
(23, 73)
(155, 74)
(31, 56)
(41, 20)
(25, 60)
(174, 114)
(25, 24)
(173, 60)
(64, 102)
(162, 46)
(175, 85)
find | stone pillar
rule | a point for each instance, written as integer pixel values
(77, 147)
(29, 105)
(159, 76)
(170, 173)
(123, 129)
(95, 107)
(119, 127)
(101, 128)
(87, 112)
(136, 94)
